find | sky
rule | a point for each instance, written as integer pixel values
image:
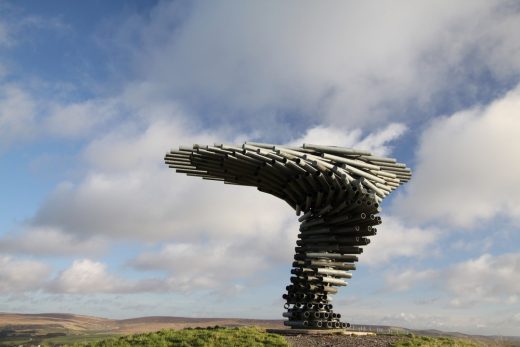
(93, 94)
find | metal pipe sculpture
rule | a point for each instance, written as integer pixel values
(337, 191)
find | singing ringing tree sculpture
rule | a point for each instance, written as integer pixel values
(337, 189)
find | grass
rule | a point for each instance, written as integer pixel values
(210, 337)
(75, 338)
(52, 341)
(48, 337)
(425, 341)
(14, 341)
(216, 337)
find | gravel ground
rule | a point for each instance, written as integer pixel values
(341, 341)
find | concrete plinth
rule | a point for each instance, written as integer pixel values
(319, 332)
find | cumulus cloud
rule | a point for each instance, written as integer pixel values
(407, 279)
(49, 241)
(343, 63)
(187, 268)
(377, 141)
(485, 279)
(396, 239)
(467, 170)
(132, 148)
(214, 265)
(128, 190)
(248, 66)
(76, 120)
(87, 276)
(255, 65)
(159, 205)
(473, 282)
(26, 117)
(196, 258)
(18, 276)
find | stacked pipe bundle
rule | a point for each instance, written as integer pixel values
(336, 192)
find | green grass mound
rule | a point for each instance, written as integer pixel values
(216, 337)
(426, 341)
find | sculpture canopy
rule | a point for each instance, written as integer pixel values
(307, 177)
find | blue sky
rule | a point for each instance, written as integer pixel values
(93, 94)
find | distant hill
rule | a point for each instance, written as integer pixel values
(56, 320)
(79, 323)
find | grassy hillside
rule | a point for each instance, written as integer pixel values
(217, 337)
(51, 329)
(250, 336)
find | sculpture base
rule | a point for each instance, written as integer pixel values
(347, 332)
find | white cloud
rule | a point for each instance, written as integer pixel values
(376, 141)
(87, 276)
(479, 244)
(49, 241)
(213, 265)
(485, 279)
(131, 148)
(346, 63)
(262, 66)
(160, 205)
(474, 282)
(395, 239)
(80, 119)
(21, 275)
(25, 117)
(189, 268)
(328, 135)
(467, 170)
(407, 279)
